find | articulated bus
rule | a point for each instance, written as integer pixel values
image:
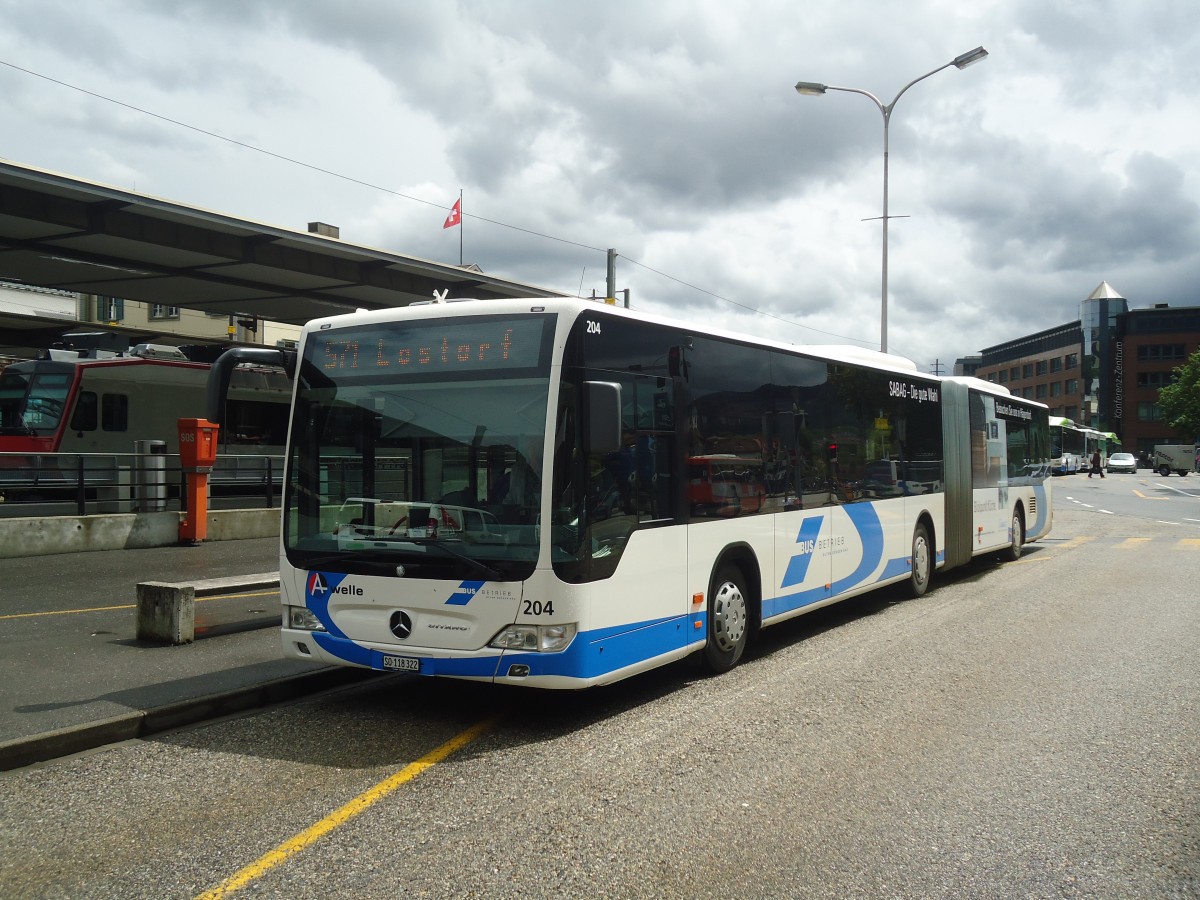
(450, 465)
(1069, 450)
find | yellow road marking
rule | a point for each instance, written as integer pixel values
(67, 612)
(1190, 542)
(1132, 543)
(1144, 497)
(1075, 542)
(359, 804)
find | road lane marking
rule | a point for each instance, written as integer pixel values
(1144, 497)
(1075, 542)
(339, 817)
(67, 612)
(1133, 543)
(1190, 542)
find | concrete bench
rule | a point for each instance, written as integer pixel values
(166, 611)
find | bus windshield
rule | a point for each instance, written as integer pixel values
(420, 472)
(32, 403)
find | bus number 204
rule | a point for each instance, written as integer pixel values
(538, 608)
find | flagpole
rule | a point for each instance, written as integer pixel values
(460, 229)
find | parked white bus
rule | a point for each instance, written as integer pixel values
(500, 490)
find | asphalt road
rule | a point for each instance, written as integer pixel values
(68, 653)
(1024, 730)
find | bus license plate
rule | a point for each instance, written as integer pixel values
(402, 664)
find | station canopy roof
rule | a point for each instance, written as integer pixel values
(62, 232)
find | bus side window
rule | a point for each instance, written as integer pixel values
(84, 416)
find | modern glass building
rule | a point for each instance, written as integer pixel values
(1104, 370)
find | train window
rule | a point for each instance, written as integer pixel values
(84, 417)
(114, 412)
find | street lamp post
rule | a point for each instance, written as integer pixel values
(812, 88)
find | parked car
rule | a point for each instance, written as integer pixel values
(1122, 462)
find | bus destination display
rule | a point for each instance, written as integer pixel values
(437, 346)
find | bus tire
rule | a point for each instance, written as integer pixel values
(922, 562)
(1017, 531)
(1164, 471)
(728, 620)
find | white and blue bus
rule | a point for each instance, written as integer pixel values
(514, 491)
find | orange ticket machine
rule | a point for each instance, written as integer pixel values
(197, 456)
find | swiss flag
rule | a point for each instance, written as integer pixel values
(455, 217)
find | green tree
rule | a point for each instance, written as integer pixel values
(1180, 400)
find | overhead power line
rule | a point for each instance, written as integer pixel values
(367, 184)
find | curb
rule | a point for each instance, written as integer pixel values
(26, 751)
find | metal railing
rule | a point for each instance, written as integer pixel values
(150, 480)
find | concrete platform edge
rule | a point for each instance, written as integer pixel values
(45, 535)
(26, 751)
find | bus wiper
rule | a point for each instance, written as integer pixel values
(357, 557)
(483, 567)
(368, 557)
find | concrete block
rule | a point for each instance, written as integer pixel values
(166, 612)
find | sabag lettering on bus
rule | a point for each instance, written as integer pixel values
(907, 390)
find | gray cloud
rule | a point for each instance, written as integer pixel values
(669, 131)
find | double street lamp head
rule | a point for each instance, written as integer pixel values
(816, 89)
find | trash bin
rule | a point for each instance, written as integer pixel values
(151, 475)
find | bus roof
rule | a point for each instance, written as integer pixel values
(833, 352)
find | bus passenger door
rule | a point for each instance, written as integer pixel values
(804, 543)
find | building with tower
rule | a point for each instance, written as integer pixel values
(1103, 370)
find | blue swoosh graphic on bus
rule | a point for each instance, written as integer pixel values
(797, 569)
(344, 648)
(465, 593)
(591, 655)
(318, 588)
(870, 537)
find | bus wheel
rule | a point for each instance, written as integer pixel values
(1013, 553)
(922, 562)
(728, 620)
(1164, 471)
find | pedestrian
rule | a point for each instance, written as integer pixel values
(1096, 469)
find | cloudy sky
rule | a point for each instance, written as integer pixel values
(669, 131)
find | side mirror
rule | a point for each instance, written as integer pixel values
(603, 399)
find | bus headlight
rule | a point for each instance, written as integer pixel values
(534, 638)
(303, 619)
